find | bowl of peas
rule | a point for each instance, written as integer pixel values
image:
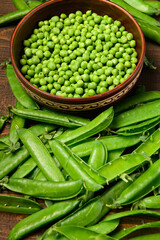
(77, 55)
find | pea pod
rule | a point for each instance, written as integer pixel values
(105, 227)
(143, 185)
(136, 13)
(45, 117)
(3, 119)
(142, 6)
(24, 169)
(120, 215)
(155, 236)
(155, 4)
(135, 99)
(40, 155)
(139, 114)
(121, 165)
(17, 89)
(18, 205)
(71, 166)
(149, 31)
(2, 154)
(127, 231)
(44, 189)
(139, 128)
(79, 233)
(20, 4)
(148, 202)
(98, 155)
(17, 123)
(98, 124)
(13, 160)
(111, 142)
(41, 218)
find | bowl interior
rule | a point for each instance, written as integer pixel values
(56, 7)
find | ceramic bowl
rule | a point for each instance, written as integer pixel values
(56, 7)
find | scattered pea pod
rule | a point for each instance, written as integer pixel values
(17, 89)
(101, 122)
(13, 160)
(40, 155)
(148, 202)
(44, 189)
(114, 154)
(155, 236)
(142, 6)
(155, 4)
(20, 4)
(139, 114)
(143, 185)
(127, 231)
(98, 156)
(111, 142)
(79, 233)
(46, 117)
(18, 205)
(42, 218)
(71, 166)
(136, 99)
(136, 13)
(138, 128)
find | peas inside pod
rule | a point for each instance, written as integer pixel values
(78, 55)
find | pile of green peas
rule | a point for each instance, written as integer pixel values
(78, 55)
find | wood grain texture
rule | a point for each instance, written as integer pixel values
(150, 78)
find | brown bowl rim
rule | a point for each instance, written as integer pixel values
(78, 100)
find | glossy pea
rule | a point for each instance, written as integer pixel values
(98, 156)
(18, 205)
(139, 114)
(79, 233)
(40, 155)
(18, 90)
(44, 189)
(42, 218)
(98, 124)
(71, 166)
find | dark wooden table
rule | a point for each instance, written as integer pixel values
(149, 78)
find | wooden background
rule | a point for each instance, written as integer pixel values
(149, 78)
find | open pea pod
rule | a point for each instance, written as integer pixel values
(127, 231)
(18, 205)
(139, 128)
(80, 233)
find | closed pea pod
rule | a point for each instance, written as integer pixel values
(18, 90)
(143, 185)
(142, 6)
(155, 4)
(105, 227)
(79, 233)
(155, 236)
(3, 119)
(148, 202)
(135, 99)
(44, 189)
(72, 167)
(42, 218)
(98, 124)
(20, 4)
(98, 155)
(40, 155)
(139, 114)
(18, 205)
(127, 231)
(114, 154)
